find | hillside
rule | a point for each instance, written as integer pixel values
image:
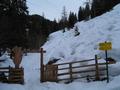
(67, 46)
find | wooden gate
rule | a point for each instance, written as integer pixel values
(50, 73)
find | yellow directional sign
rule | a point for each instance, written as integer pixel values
(105, 46)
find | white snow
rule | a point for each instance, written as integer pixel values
(68, 48)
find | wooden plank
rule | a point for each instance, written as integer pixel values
(75, 62)
(16, 81)
(4, 68)
(16, 70)
(79, 77)
(82, 71)
(4, 71)
(74, 78)
(91, 65)
(16, 76)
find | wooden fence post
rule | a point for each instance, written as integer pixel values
(70, 66)
(42, 64)
(97, 77)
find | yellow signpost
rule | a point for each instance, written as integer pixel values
(106, 46)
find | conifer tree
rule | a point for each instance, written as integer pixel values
(81, 14)
(87, 12)
(14, 13)
(72, 19)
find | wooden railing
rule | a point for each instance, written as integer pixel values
(4, 74)
(70, 69)
(12, 75)
(16, 75)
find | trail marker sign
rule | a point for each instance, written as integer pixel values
(105, 46)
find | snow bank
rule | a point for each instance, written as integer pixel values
(7, 61)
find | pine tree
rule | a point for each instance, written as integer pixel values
(87, 12)
(72, 19)
(14, 13)
(81, 14)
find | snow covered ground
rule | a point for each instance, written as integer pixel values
(69, 47)
(32, 79)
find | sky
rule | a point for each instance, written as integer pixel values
(52, 9)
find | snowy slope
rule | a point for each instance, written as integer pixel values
(100, 29)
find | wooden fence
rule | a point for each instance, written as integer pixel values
(12, 75)
(73, 70)
(16, 75)
(4, 73)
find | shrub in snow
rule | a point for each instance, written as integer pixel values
(52, 61)
(76, 31)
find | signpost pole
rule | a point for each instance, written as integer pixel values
(107, 66)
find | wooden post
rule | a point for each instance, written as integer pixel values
(42, 64)
(97, 77)
(107, 72)
(71, 78)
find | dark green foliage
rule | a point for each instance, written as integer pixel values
(81, 14)
(97, 8)
(101, 6)
(13, 15)
(40, 28)
(87, 12)
(72, 19)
